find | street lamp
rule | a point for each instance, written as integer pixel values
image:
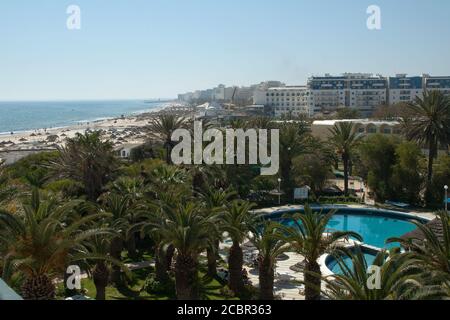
(446, 198)
(279, 191)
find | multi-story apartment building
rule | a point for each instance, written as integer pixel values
(404, 89)
(360, 91)
(437, 83)
(287, 100)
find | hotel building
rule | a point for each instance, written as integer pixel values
(404, 89)
(437, 83)
(360, 91)
(326, 94)
(287, 100)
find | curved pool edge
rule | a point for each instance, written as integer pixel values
(326, 272)
(271, 212)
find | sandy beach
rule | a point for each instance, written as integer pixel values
(122, 130)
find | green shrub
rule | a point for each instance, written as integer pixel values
(153, 286)
(68, 187)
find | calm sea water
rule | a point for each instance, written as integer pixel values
(23, 116)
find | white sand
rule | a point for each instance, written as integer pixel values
(39, 138)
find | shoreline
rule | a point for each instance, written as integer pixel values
(119, 130)
(164, 105)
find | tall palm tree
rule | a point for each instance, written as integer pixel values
(152, 220)
(162, 127)
(42, 240)
(88, 160)
(398, 278)
(134, 189)
(120, 209)
(214, 202)
(344, 139)
(271, 244)
(428, 123)
(294, 140)
(188, 230)
(237, 220)
(309, 238)
(95, 253)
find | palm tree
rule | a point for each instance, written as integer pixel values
(428, 123)
(152, 222)
(96, 254)
(294, 140)
(215, 202)
(6, 190)
(271, 244)
(188, 230)
(134, 189)
(237, 221)
(167, 179)
(88, 160)
(344, 139)
(119, 208)
(398, 278)
(308, 238)
(431, 248)
(42, 240)
(162, 127)
(261, 123)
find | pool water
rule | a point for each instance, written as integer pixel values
(335, 267)
(375, 229)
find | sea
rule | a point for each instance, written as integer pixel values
(27, 116)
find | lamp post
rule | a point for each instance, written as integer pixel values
(279, 191)
(446, 198)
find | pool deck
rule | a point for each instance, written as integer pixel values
(287, 286)
(422, 215)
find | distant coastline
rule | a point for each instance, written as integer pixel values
(120, 130)
(30, 116)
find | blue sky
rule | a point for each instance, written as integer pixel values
(158, 48)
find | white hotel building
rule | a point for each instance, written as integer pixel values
(359, 91)
(287, 100)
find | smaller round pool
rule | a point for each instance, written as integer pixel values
(333, 265)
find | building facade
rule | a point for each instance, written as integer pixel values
(403, 89)
(321, 128)
(326, 94)
(437, 83)
(287, 100)
(359, 91)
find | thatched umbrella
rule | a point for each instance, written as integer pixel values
(417, 234)
(52, 138)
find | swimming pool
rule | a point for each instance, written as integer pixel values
(333, 265)
(375, 226)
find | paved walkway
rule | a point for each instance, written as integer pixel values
(285, 285)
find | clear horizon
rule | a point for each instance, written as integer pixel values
(158, 49)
